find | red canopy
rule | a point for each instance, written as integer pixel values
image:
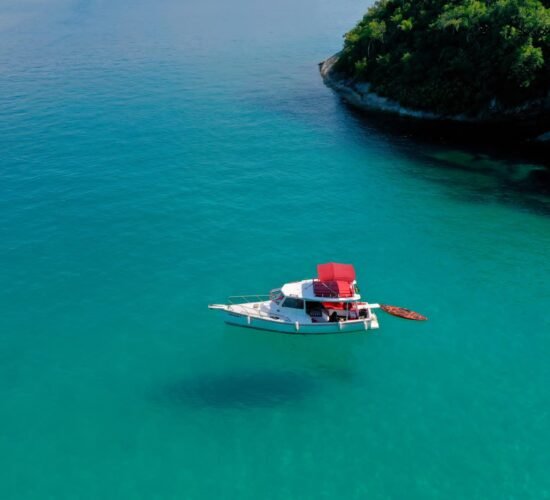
(336, 272)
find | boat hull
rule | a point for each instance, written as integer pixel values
(297, 328)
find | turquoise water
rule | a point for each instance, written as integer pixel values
(157, 157)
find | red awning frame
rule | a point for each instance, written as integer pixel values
(333, 289)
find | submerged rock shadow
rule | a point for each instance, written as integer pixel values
(518, 167)
(239, 390)
(498, 151)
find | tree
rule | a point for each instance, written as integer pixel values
(454, 56)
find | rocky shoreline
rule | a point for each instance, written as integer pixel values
(360, 95)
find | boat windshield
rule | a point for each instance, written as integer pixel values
(276, 295)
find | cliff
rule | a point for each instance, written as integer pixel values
(360, 94)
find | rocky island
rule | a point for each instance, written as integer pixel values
(482, 61)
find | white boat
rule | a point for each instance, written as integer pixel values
(329, 303)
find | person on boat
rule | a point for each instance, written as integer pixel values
(352, 311)
(333, 318)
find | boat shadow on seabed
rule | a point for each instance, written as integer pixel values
(284, 370)
(255, 388)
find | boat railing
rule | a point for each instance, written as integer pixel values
(254, 310)
(327, 291)
(239, 299)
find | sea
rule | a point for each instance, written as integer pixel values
(156, 157)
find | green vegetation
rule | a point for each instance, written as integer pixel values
(452, 56)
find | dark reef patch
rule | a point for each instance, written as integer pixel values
(488, 161)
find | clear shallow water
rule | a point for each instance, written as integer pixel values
(156, 158)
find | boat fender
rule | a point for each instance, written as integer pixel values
(248, 320)
(297, 326)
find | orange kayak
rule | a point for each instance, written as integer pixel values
(402, 312)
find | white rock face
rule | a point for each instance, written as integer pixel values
(361, 96)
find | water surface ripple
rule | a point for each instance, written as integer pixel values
(160, 156)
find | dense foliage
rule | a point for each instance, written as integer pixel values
(452, 56)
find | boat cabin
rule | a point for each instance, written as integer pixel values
(332, 296)
(329, 303)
